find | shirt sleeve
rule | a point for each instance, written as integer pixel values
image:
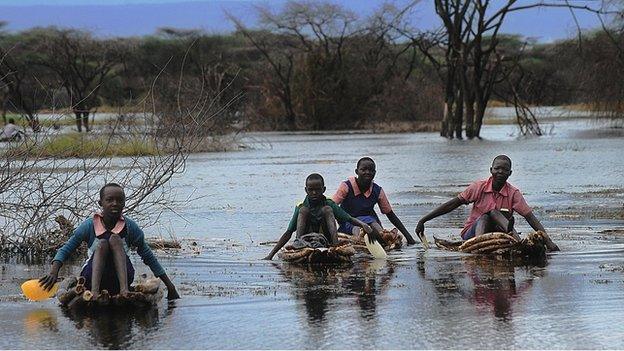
(340, 214)
(384, 204)
(471, 193)
(292, 226)
(147, 256)
(79, 235)
(341, 193)
(519, 204)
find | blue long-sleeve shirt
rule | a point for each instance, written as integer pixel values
(134, 237)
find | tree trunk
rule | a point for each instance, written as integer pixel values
(470, 115)
(458, 117)
(480, 112)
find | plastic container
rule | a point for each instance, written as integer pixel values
(34, 292)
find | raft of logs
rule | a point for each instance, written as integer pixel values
(73, 295)
(347, 246)
(393, 239)
(501, 244)
(307, 255)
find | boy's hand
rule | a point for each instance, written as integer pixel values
(367, 229)
(172, 293)
(47, 282)
(420, 229)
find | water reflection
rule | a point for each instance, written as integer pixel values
(489, 284)
(115, 328)
(495, 285)
(319, 285)
(40, 320)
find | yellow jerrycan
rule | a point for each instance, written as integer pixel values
(34, 292)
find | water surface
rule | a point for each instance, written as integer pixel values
(415, 299)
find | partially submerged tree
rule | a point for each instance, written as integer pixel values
(82, 65)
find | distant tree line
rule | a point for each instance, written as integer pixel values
(315, 65)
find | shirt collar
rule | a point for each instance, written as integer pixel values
(488, 187)
(98, 224)
(356, 188)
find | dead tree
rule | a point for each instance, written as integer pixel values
(82, 65)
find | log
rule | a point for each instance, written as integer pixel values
(67, 284)
(163, 244)
(338, 254)
(291, 255)
(533, 246)
(146, 293)
(447, 244)
(66, 297)
(486, 243)
(484, 237)
(393, 239)
(150, 286)
(104, 299)
(492, 247)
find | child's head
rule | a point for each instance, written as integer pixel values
(501, 168)
(112, 200)
(365, 169)
(11, 120)
(315, 186)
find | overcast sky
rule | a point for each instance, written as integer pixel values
(140, 17)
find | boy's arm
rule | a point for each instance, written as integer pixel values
(439, 211)
(282, 241)
(79, 235)
(392, 217)
(172, 293)
(537, 226)
(152, 262)
(373, 235)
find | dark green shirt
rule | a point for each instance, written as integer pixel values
(316, 215)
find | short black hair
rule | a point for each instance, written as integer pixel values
(108, 185)
(11, 120)
(315, 176)
(502, 157)
(362, 160)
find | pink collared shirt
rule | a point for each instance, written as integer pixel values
(98, 224)
(343, 191)
(485, 199)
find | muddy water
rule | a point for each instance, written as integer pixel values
(416, 299)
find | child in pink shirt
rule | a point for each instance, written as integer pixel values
(358, 197)
(494, 202)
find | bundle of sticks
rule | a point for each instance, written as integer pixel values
(497, 243)
(393, 239)
(73, 295)
(308, 255)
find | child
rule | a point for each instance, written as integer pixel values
(109, 235)
(494, 201)
(358, 197)
(317, 214)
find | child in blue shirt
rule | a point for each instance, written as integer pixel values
(109, 236)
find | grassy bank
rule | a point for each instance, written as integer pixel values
(83, 145)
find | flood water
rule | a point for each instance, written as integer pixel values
(231, 299)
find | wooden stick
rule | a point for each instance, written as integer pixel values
(486, 243)
(484, 237)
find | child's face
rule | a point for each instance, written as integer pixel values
(366, 171)
(112, 201)
(500, 170)
(315, 189)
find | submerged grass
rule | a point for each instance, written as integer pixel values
(82, 145)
